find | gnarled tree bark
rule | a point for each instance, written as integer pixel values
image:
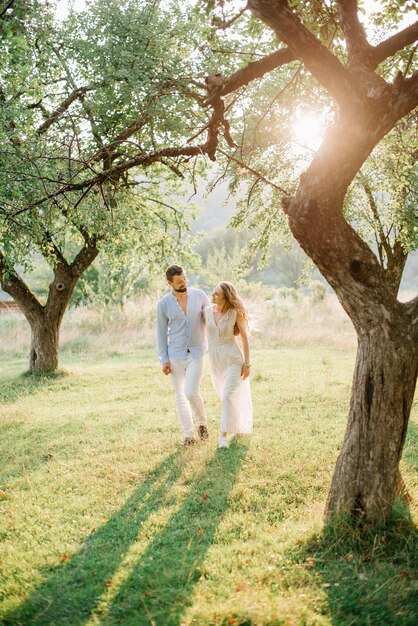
(365, 481)
(366, 477)
(45, 320)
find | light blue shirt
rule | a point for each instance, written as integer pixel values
(179, 333)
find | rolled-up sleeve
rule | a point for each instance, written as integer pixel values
(162, 329)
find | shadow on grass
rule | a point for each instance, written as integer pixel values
(368, 574)
(28, 384)
(72, 589)
(161, 582)
(160, 586)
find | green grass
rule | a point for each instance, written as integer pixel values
(105, 519)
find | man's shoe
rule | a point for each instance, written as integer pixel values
(203, 432)
(189, 441)
(223, 442)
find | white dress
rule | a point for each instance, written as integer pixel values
(226, 362)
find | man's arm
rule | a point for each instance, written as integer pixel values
(162, 343)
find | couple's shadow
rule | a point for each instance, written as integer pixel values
(158, 586)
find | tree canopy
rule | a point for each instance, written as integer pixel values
(93, 111)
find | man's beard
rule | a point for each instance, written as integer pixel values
(182, 290)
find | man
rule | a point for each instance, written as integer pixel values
(181, 344)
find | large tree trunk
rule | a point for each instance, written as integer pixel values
(44, 345)
(366, 475)
(367, 470)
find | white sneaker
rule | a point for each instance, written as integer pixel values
(223, 442)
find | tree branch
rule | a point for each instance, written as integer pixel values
(7, 7)
(140, 160)
(395, 43)
(130, 130)
(254, 69)
(50, 250)
(55, 116)
(320, 62)
(406, 95)
(86, 108)
(84, 258)
(373, 206)
(253, 172)
(395, 256)
(226, 25)
(395, 266)
(358, 48)
(20, 292)
(217, 86)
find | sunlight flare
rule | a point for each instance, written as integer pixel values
(308, 130)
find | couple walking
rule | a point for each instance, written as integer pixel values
(185, 321)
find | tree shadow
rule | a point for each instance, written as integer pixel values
(162, 581)
(71, 591)
(368, 573)
(159, 588)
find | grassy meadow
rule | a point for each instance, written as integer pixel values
(105, 519)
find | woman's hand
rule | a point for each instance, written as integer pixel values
(242, 327)
(245, 371)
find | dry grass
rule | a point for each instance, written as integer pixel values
(283, 318)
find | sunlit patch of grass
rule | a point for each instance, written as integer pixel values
(106, 519)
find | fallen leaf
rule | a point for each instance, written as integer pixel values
(232, 620)
(64, 557)
(239, 586)
(200, 531)
(108, 582)
(204, 498)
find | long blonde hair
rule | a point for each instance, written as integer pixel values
(233, 300)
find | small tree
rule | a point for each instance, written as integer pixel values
(84, 109)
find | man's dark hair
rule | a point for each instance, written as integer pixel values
(173, 270)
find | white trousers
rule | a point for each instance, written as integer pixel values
(185, 378)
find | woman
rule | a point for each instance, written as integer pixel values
(230, 369)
